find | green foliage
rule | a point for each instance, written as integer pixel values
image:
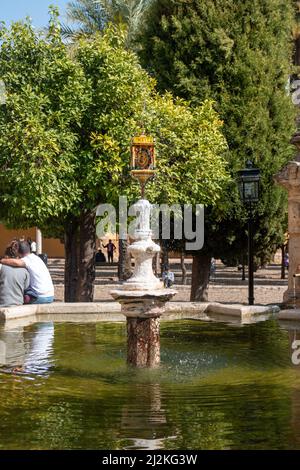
(45, 97)
(190, 147)
(67, 124)
(239, 55)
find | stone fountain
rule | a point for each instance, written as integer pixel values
(143, 297)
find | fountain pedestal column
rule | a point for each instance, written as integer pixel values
(289, 178)
(143, 342)
(143, 297)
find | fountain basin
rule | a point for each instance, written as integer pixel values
(218, 387)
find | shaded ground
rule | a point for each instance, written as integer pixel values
(226, 284)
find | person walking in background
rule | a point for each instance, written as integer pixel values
(13, 282)
(212, 266)
(41, 289)
(110, 251)
(286, 260)
(168, 277)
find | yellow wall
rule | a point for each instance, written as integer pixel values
(53, 248)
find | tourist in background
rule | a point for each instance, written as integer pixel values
(286, 260)
(100, 258)
(110, 251)
(33, 247)
(168, 277)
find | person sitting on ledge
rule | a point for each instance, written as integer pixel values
(100, 258)
(41, 290)
(13, 282)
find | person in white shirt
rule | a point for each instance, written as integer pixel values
(41, 290)
(33, 247)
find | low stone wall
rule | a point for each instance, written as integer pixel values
(111, 311)
(289, 315)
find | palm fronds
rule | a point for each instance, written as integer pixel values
(89, 16)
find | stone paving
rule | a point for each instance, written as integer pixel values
(226, 284)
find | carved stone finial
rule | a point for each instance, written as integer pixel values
(289, 176)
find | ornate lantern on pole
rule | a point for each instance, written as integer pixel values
(249, 191)
(143, 159)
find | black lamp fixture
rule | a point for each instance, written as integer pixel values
(248, 180)
(249, 184)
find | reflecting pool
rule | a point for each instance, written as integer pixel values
(67, 386)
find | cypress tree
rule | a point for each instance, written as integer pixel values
(239, 54)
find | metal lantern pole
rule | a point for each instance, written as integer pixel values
(250, 260)
(249, 192)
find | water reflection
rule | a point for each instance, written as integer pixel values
(12, 348)
(147, 427)
(26, 350)
(218, 387)
(294, 340)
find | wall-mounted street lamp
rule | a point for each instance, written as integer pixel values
(248, 180)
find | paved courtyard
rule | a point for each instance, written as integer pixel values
(226, 284)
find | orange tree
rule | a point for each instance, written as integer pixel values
(65, 131)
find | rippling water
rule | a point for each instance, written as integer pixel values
(67, 386)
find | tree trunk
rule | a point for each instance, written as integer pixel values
(164, 256)
(243, 269)
(124, 266)
(297, 51)
(200, 277)
(282, 262)
(156, 261)
(87, 253)
(71, 259)
(80, 249)
(183, 268)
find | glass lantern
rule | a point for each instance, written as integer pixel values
(249, 184)
(142, 158)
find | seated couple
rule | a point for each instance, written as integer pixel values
(24, 277)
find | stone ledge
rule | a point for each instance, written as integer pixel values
(187, 307)
(58, 308)
(289, 314)
(241, 311)
(22, 311)
(111, 311)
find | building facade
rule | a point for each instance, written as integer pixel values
(54, 248)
